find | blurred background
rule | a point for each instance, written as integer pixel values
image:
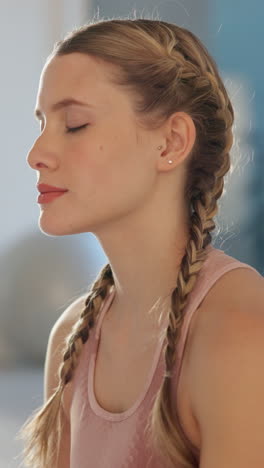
(42, 275)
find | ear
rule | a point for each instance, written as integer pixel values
(179, 134)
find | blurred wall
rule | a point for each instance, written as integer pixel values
(237, 30)
(191, 14)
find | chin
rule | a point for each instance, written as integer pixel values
(53, 232)
(59, 229)
(54, 223)
(56, 228)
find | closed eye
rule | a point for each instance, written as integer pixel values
(75, 129)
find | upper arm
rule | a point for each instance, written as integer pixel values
(228, 383)
(59, 331)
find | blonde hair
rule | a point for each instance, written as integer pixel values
(167, 69)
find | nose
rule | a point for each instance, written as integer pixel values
(39, 155)
(33, 157)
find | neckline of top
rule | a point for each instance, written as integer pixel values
(97, 409)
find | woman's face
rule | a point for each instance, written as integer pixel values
(107, 166)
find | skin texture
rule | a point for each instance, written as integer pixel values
(121, 187)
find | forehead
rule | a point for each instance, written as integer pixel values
(73, 68)
(79, 75)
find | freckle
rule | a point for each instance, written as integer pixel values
(101, 147)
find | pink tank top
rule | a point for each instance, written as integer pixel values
(100, 439)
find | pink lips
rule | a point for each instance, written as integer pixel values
(49, 196)
(49, 193)
(44, 188)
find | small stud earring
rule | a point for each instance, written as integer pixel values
(170, 162)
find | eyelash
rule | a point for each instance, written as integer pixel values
(75, 129)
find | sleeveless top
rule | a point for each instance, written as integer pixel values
(101, 439)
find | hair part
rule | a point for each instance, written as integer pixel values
(166, 69)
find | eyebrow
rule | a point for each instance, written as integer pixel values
(62, 104)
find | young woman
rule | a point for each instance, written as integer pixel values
(160, 363)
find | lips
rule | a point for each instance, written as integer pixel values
(48, 197)
(45, 188)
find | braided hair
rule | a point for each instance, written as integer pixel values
(170, 70)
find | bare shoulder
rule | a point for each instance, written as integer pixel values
(225, 377)
(236, 297)
(70, 314)
(56, 343)
(235, 291)
(235, 285)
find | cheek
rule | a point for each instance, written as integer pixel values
(127, 180)
(85, 166)
(112, 176)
